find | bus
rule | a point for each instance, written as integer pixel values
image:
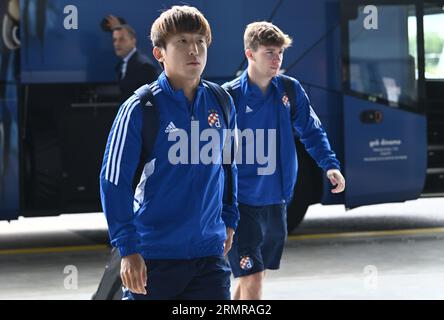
(373, 70)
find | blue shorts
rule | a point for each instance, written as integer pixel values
(205, 278)
(259, 239)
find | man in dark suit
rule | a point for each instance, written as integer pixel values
(134, 68)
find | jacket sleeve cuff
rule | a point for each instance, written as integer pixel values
(333, 166)
(128, 249)
(230, 220)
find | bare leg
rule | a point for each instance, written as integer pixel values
(250, 287)
(237, 292)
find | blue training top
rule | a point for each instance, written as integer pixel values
(272, 111)
(179, 210)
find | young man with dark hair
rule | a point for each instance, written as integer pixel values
(173, 233)
(262, 103)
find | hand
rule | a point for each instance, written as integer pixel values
(228, 243)
(14, 10)
(134, 273)
(336, 179)
(112, 21)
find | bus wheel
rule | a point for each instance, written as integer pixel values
(295, 214)
(308, 188)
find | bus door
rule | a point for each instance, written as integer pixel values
(385, 134)
(434, 98)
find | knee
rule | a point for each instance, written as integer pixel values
(252, 281)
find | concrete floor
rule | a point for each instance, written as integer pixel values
(391, 251)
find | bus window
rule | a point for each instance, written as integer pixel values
(382, 64)
(434, 41)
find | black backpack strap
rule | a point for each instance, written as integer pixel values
(223, 99)
(110, 286)
(232, 92)
(150, 127)
(145, 94)
(291, 93)
(150, 121)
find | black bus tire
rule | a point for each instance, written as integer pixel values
(295, 214)
(308, 188)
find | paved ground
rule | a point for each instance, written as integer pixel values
(391, 251)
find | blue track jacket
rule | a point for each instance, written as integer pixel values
(272, 111)
(179, 210)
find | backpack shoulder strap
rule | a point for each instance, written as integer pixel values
(150, 121)
(144, 94)
(289, 87)
(229, 87)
